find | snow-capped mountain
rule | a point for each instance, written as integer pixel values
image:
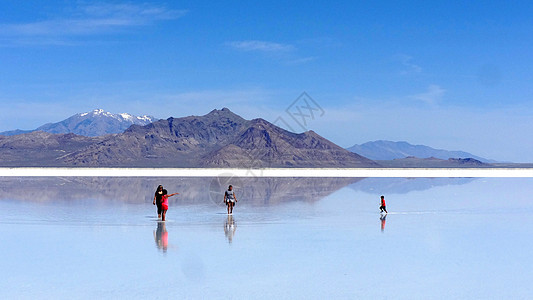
(95, 123)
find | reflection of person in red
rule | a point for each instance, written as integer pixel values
(383, 219)
(164, 239)
(161, 236)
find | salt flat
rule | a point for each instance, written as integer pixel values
(444, 238)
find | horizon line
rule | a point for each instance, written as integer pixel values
(264, 172)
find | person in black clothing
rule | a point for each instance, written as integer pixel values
(157, 200)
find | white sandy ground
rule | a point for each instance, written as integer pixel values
(272, 172)
(456, 241)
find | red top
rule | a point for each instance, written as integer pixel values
(383, 202)
(164, 201)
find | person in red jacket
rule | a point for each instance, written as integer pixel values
(383, 207)
(164, 203)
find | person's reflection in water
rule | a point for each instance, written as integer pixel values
(229, 228)
(161, 236)
(383, 219)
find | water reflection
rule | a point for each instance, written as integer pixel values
(383, 219)
(229, 228)
(404, 185)
(256, 191)
(161, 236)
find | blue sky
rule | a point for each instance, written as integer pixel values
(446, 74)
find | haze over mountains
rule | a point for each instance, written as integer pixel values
(388, 150)
(95, 123)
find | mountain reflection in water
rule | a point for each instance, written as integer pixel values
(257, 191)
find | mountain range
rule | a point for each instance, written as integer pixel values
(217, 139)
(389, 150)
(95, 123)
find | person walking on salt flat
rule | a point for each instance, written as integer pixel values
(157, 200)
(164, 203)
(230, 199)
(383, 207)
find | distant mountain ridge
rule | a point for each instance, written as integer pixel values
(388, 150)
(95, 123)
(432, 162)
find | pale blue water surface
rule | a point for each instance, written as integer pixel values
(293, 238)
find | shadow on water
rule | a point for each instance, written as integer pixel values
(229, 228)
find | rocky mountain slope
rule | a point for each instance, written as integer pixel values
(263, 144)
(40, 148)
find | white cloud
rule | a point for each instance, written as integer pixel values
(408, 66)
(432, 96)
(88, 20)
(262, 46)
(137, 11)
(302, 60)
(287, 54)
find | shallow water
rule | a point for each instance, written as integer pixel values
(288, 238)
